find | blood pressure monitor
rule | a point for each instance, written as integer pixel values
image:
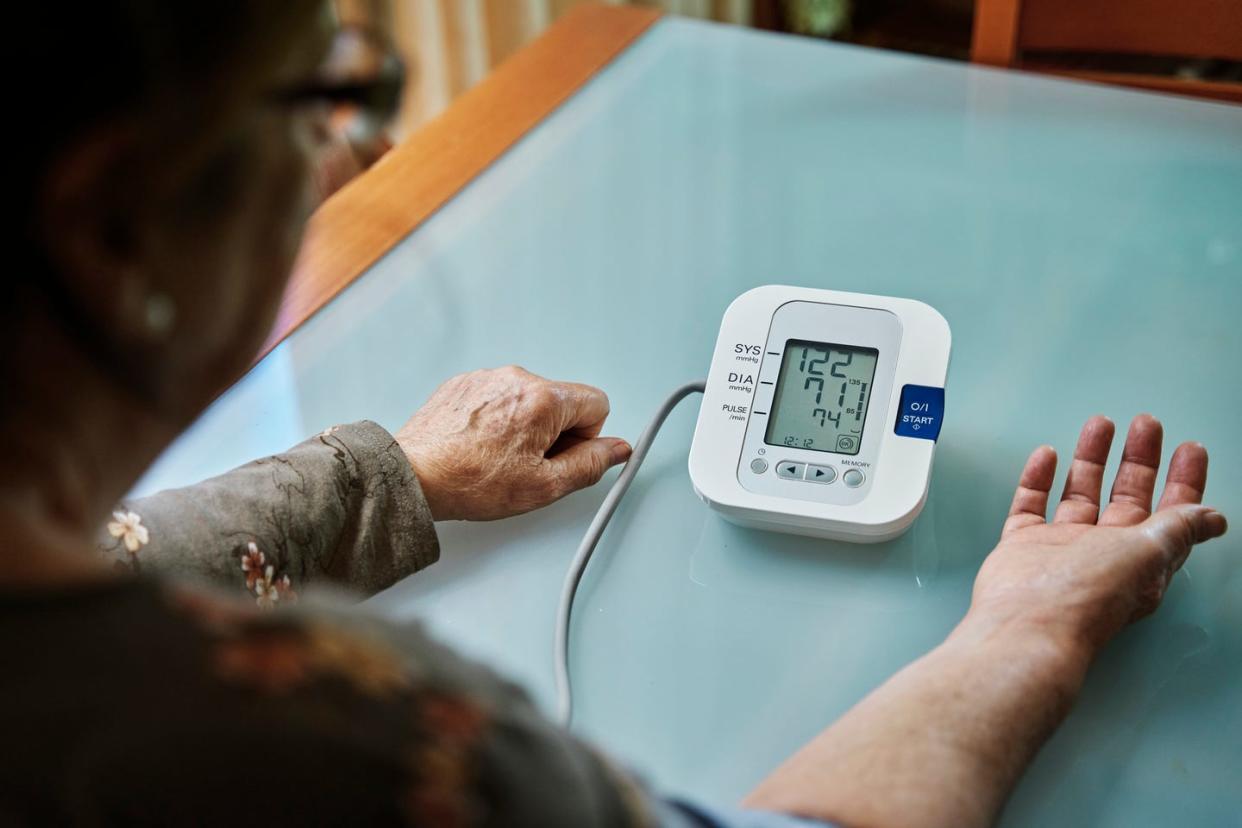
(820, 416)
(821, 412)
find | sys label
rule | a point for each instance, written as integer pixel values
(747, 353)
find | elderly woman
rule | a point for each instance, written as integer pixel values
(166, 153)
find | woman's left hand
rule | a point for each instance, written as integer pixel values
(494, 443)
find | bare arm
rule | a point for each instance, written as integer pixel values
(945, 740)
(940, 743)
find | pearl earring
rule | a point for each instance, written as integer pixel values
(160, 313)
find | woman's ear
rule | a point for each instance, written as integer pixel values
(88, 211)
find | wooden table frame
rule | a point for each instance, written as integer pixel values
(360, 223)
(1210, 25)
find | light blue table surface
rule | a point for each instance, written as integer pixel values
(1085, 244)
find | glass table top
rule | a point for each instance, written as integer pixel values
(1085, 245)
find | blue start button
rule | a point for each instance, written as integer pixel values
(921, 412)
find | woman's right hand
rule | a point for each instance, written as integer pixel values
(495, 443)
(1088, 573)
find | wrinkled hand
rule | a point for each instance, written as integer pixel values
(495, 443)
(1089, 572)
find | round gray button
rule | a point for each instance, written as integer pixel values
(758, 465)
(853, 478)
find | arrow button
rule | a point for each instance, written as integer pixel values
(821, 474)
(790, 470)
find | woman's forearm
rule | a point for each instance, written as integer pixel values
(344, 506)
(940, 743)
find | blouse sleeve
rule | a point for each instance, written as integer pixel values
(344, 506)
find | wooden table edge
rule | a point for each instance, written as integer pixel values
(359, 224)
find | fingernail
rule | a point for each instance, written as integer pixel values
(620, 451)
(1216, 523)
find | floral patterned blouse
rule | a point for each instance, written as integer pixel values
(153, 700)
(343, 507)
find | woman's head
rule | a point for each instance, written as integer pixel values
(165, 178)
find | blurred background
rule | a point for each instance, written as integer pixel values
(452, 44)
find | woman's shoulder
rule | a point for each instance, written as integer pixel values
(155, 701)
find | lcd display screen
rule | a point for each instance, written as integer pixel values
(821, 397)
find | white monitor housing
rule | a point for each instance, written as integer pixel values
(821, 412)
